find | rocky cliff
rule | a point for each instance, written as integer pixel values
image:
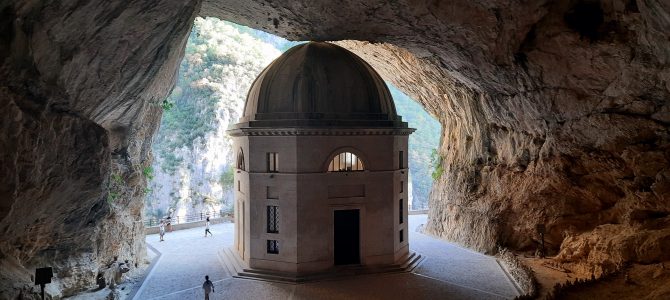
(555, 113)
(80, 87)
(192, 167)
(566, 127)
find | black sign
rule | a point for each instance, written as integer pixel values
(43, 275)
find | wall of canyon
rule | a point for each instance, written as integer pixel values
(80, 91)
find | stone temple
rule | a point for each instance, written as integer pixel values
(322, 172)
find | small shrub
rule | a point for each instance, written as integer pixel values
(148, 173)
(112, 196)
(117, 178)
(167, 105)
(436, 161)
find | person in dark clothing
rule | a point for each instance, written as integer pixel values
(208, 286)
(207, 228)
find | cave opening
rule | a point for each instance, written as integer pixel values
(191, 176)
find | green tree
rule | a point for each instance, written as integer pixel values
(227, 178)
(422, 143)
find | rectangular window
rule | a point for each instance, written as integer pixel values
(273, 247)
(273, 219)
(272, 162)
(401, 160)
(238, 185)
(400, 211)
(402, 186)
(402, 236)
(272, 192)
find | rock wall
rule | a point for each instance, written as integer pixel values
(79, 87)
(554, 113)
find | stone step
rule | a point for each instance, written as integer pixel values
(230, 261)
(412, 261)
(238, 269)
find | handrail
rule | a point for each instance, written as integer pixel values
(153, 221)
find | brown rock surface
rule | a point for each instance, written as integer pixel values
(554, 113)
(80, 83)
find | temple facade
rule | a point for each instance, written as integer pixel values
(321, 177)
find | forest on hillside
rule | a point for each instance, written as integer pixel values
(192, 172)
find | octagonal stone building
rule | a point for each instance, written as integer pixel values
(321, 177)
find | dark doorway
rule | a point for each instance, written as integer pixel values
(347, 237)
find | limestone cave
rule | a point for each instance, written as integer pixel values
(555, 119)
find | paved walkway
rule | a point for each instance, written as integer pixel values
(448, 272)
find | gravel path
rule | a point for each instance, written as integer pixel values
(448, 272)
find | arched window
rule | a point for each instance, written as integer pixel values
(240, 160)
(345, 162)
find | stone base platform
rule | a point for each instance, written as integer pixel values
(236, 267)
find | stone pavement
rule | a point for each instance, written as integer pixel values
(448, 272)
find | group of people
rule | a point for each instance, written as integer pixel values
(166, 223)
(207, 286)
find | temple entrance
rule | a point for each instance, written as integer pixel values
(347, 237)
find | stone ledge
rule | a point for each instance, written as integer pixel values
(319, 131)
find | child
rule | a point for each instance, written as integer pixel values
(161, 227)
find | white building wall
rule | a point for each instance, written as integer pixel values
(307, 196)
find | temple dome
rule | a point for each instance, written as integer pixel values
(319, 84)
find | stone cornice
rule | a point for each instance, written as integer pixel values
(318, 131)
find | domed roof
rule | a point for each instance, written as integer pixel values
(319, 84)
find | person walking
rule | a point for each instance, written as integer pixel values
(161, 229)
(208, 286)
(207, 228)
(169, 219)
